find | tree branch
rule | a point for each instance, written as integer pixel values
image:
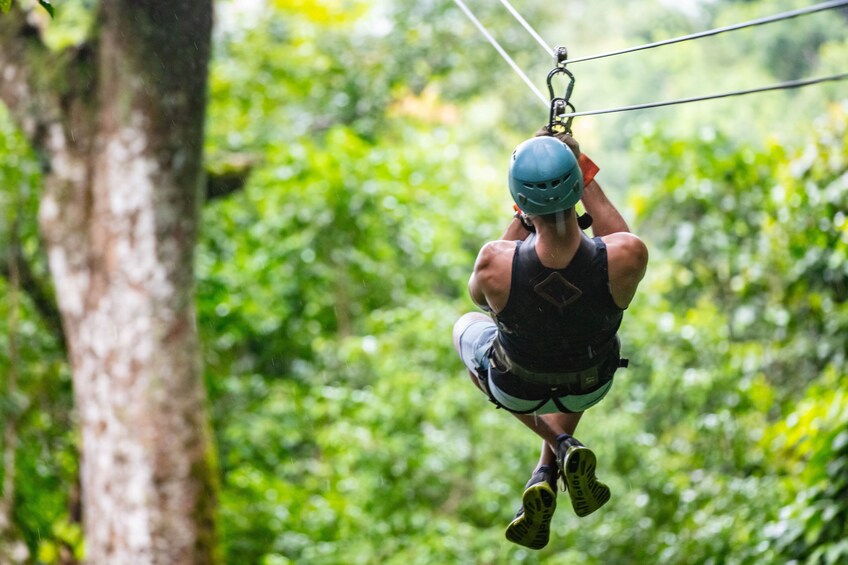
(21, 50)
(229, 176)
(44, 88)
(223, 183)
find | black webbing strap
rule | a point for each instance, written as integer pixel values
(585, 379)
(485, 380)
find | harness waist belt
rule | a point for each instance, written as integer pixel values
(584, 379)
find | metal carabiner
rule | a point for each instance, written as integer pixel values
(569, 89)
(560, 104)
(558, 108)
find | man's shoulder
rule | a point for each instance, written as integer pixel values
(495, 252)
(492, 273)
(499, 246)
(626, 248)
(627, 258)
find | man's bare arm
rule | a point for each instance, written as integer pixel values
(490, 281)
(476, 282)
(627, 260)
(606, 219)
(515, 231)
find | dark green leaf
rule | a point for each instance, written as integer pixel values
(47, 6)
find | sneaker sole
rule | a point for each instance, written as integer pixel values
(533, 528)
(586, 491)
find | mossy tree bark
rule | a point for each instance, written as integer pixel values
(119, 123)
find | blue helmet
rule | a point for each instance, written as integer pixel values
(544, 176)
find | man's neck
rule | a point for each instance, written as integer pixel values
(556, 243)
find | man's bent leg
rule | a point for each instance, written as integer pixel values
(577, 463)
(559, 420)
(531, 525)
(467, 343)
(463, 323)
(550, 426)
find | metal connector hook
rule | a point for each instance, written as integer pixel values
(559, 106)
(561, 56)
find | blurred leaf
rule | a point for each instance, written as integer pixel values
(47, 6)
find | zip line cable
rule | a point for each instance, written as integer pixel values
(530, 30)
(779, 86)
(760, 21)
(501, 51)
(798, 83)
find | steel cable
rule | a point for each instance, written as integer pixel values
(760, 21)
(501, 51)
(530, 30)
(711, 32)
(779, 86)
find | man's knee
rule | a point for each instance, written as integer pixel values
(464, 322)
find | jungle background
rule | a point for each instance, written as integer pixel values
(378, 135)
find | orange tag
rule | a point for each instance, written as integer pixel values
(588, 168)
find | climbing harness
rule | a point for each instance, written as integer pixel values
(562, 111)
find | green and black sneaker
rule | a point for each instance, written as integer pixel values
(531, 527)
(577, 466)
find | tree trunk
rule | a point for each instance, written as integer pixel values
(119, 216)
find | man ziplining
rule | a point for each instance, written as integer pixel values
(548, 349)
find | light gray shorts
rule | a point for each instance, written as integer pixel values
(476, 336)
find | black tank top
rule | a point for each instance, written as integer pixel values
(557, 319)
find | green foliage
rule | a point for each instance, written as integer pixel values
(354, 339)
(761, 236)
(6, 5)
(336, 235)
(46, 463)
(746, 311)
(327, 288)
(813, 445)
(47, 5)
